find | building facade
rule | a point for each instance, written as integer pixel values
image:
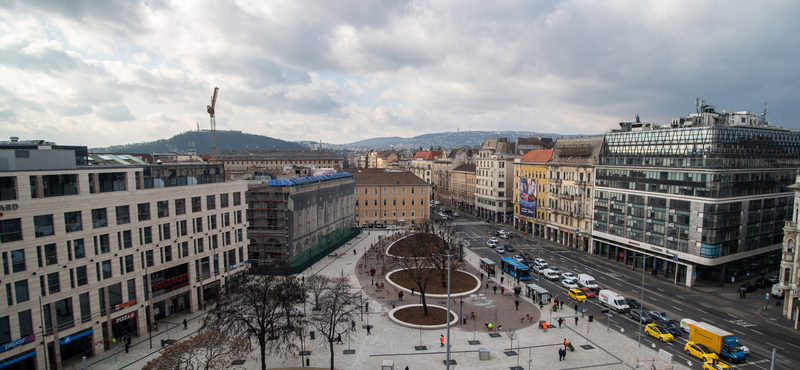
(530, 191)
(293, 163)
(443, 173)
(299, 220)
(107, 249)
(705, 198)
(391, 198)
(463, 188)
(422, 165)
(789, 277)
(494, 175)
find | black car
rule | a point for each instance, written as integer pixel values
(509, 248)
(747, 287)
(674, 330)
(525, 254)
(763, 283)
(637, 314)
(633, 304)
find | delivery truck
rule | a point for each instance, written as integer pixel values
(613, 300)
(720, 341)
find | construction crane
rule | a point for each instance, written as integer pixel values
(210, 110)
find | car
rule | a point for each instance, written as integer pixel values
(500, 250)
(587, 292)
(577, 295)
(538, 269)
(509, 248)
(658, 332)
(568, 276)
(640, 315)
(412, 227)
(491, 244)
(762, 283)
(743, 347)
(455, 214)
(674, 330)
(776, 291)
(773, 279)
(714, 365)
(494, 240)
(518, 258)
(747, 287)
(556, 269)
(494, 233)
(661, 315)
(569, 284)
(540, 262)
(632, 303)
(700, 351)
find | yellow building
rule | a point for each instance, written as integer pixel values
(530, 175)
(391, 198)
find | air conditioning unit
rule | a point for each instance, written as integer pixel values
(670, 238)
(649, 221)
(649, 207)
(630, 204)
(672, 211)
(630, 217)
(671, 224)
(647, 233)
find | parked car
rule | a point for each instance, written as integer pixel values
(762, 283)
(568, 276)
(569, 284)
(500, 250)
(747, 287)
(587, 292)
(633, 304)
(674, 330)
(577, 295)
(658, 332)
(494, 240)
(776, 291)
(700, 351)
(640, 315)
(509, 248)
(518, 258)
(661, 315)
(773, 279)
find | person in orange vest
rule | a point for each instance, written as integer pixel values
(565, 343)
(441, 340)
(544, 326)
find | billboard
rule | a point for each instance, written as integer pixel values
(527, 197)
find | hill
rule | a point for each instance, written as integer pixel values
(442, 139)
(226, 140)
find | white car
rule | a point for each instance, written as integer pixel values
(556, 269)
(540, 262)
(569, 284)
(538, 269)
(494, 240)
(491, 244)
(518, 258)
(744, 348)
(568, 276)
(501, 250)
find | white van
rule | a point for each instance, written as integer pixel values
(686, 324)
(776, 292)
(586, 281)
(550, 274)
(614, 300)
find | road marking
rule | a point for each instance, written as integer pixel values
(679, 297)
(775, 346)
(705, 319)
(738, 332)
(755, 331)
(677, 308)
(660, 289)
(706, 306)
(792, 344)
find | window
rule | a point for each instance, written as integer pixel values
(86, 311)
(180, 206)
(131, 290)
(125, 240)
(78, 249)
(58, 185)
(226, 219)
(5, 330)
(211, 202)
(99, 218)
(101, 244)
(8, 188)
(182, 228)
(50, 255)
(162, 207)
(53, 283)
(196, 207)
(212, 222)
(402, 190)
(43, 225)
(238, 217)
(223, 200)
(123, 215)
(148, 256)
(412, 213)
(18, 260)
(73, 222)
(199, 245)
(384, 202)
(21, 290)
(106, 268)
(144, 211)
(198, 223)
(166, 231)
(168, 253)
(81, 275)
(412, 190)
(25, 323)
(115, 296)
(129, 263)
(237, 199)
(184, 249)
(10, 230)
(148, 235)
(375, 201)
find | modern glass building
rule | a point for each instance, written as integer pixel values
(703, 198)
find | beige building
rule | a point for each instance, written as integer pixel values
(494, 175)
(789, 279)
(530, 180)
(463, 188)
(390, 198)
(443, 173)
(240, 165)
(570, 173)
(422, 165)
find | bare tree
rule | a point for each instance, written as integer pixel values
(338, 305)
(439, 248)
(316, 285)
(513, 334)
(417, 263)
(265, 307)
(208, 350)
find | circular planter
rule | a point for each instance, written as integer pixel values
(463, 294)
(426, 327)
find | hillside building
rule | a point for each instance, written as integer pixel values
(292, 163)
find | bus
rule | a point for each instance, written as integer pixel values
(516, 269)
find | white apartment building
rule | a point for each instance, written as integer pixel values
(494, 174)
(87, 247)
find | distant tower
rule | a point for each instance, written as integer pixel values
(192, 151)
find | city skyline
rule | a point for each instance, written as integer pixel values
(100, 74)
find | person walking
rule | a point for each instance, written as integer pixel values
(481, 276)
(339, 339)
(400, 295)
(412, 292)
(368, 328)
(561, 305)
(127, 344)
(566, 343)
(576, 308)
(576, 320)
(541, 305)
(495, 289)
(353, 325)
(740, 294)
(502, 290)
(516, 303)
(562, 354)
(501, 279)
(441, 340)
(560, 321)
(184, 324)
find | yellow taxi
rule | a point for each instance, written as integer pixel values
(700, 351)
(714, 365)
(577, 295)
(656, 331)
(412, 227)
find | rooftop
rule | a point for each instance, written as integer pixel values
(387, 178)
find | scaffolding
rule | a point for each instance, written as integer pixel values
(268, 229)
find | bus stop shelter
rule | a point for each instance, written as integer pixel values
(488, 266)
(537, 293)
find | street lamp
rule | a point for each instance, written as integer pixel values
(641, 304)
(449, 256)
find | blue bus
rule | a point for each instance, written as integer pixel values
(516, 269)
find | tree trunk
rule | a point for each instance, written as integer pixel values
(331, 345)
(424, 303)
(263, 344)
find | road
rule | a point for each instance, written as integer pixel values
(725, 311)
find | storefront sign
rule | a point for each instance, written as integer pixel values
(70, 338)
(657, 249)
(124, 317)
(18, 358)
(9, 207)
(17, 343)
(172, 283)
(123, 305)
(240, 264)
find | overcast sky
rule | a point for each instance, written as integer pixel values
(101, 72)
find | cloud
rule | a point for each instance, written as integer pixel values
(116, 113)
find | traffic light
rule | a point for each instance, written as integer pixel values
(605, 310)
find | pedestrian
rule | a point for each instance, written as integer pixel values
(544, 326)
(127, 345)
(565, 343)
(516, 303)
(495, 289)
(501, 279)
(562, 354)
(441, 340)
(400, 295)
(740, 293)
(406, 368)
(339, 339)
(184, 324)
(576, 308)
(412, 292)
(560, 321)
(763, 273)
(655, 271)
(502, 290)
(155, 326)
(541, 305)
(576, 320)
(368, 328)
(353, 325)
(561, 305)
(354, 251)
(490, 326)
(481, 276)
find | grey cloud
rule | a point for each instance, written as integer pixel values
(72, 110)
(119, 17)
(116, 113)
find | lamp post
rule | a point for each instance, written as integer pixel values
(641, 304)
(449, 256)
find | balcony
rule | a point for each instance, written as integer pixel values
(554, 181)
(790, 226)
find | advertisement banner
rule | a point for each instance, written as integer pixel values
(527, 197)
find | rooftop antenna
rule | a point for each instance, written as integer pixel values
(697, 105)
(764, 113)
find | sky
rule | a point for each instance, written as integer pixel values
(105, 72)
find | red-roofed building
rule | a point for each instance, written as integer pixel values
(422, 165)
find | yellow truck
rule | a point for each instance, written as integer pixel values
(720, 341)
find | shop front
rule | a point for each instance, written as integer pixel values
(211, 291)
(75, 344)
(171, 305)
(23, 361)
(124, 325)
